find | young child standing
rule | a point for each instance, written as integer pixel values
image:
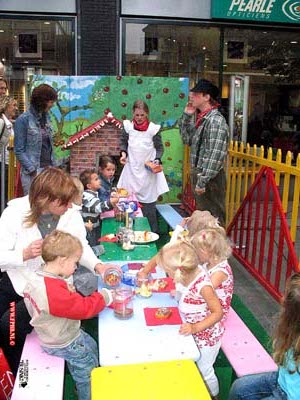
(107, 170)
(92, 206)
(197, 221)
(283, 384)
(56, 309)
(198, 303)
(141, 142)
(213, 249)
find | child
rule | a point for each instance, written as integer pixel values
(92, 207)
(283, 384)
(78, 200)
(213, 250)
(141, 142)
(198, 303)
(56, 309)
(197, 221)
(107, 169)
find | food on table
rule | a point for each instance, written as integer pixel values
(142, 236)
(144, 290)
(159, 284)
(109, 236)
(163, 313)
(112, 277)
(122, 192)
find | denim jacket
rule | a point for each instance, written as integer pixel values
(105, 190)
(28, 139)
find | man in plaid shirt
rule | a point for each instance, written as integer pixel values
(208, 141)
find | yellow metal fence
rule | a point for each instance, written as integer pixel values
(244, 163)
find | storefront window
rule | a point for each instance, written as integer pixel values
(260, 69)
(30, 47)
(172, 50)
(271, 60)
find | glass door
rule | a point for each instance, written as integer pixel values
(238, 107)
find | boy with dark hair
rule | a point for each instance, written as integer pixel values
(92, 207)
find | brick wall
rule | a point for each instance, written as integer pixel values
(84, 153)
(98, 29)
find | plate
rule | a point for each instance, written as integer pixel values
(145, 237)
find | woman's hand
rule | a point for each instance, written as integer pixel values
(123, 158)
(33, 250)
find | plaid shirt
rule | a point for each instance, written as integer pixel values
(209, 142)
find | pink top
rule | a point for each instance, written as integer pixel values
(225, 290)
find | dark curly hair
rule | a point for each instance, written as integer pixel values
(41, 95)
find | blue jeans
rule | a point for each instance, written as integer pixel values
(256, 387)
(81, 356)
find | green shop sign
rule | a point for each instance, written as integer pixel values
(286, 11)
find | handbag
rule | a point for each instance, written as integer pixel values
(153, 167)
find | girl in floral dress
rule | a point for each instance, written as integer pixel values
(198, 304)
(213, 250)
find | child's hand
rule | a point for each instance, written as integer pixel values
(173, 292)
(114, 200)
(89, 225)
(183, 222)
(186, 329)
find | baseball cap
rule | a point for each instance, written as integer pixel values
(206, 87)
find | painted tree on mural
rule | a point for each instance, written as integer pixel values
(117, 94)
(84, 100)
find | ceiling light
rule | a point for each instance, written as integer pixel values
(293, 42)
(46, 23)
(1, 31)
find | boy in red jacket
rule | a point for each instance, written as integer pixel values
(56, 309)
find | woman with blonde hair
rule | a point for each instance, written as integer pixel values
(8, 110)
(283, 384)
(23, 226)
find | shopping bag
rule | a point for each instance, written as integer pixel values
(7, 379)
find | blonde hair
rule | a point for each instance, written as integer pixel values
(181, 255)
(201, 220)
(4, 102)
(79, 186)
(213, 241)
(60, 244)
(50, 185)
(287, 334)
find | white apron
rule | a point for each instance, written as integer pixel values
(135, 178)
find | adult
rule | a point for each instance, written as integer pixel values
(208, 141)
(8, 110)
(141, 142)
(34, 135)
(23, 225)
(3, 86)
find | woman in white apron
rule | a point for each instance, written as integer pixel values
(141, 142)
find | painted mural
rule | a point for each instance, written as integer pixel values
(82, 100)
